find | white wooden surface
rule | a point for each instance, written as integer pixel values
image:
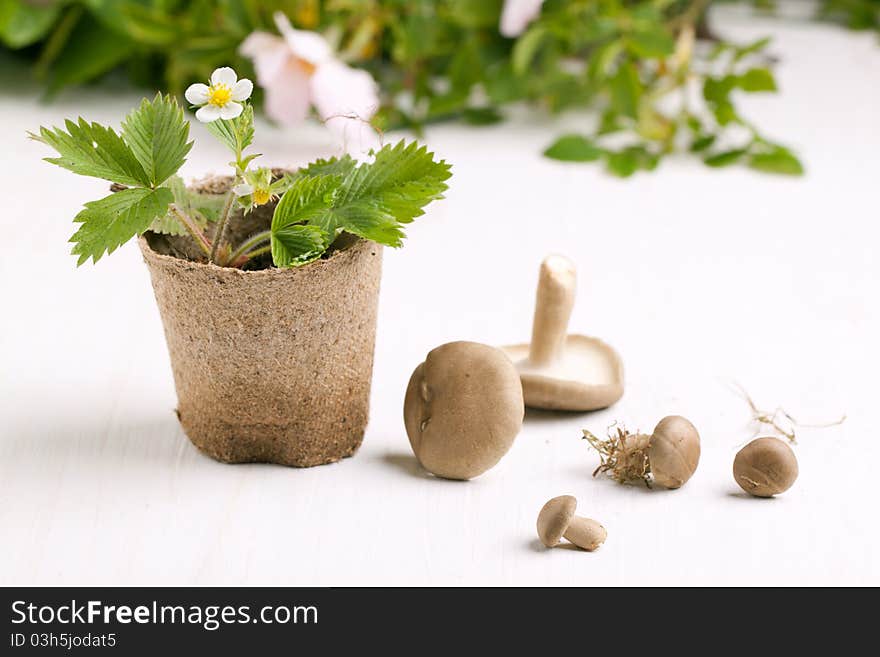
(697, 276)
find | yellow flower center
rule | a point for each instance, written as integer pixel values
(261, 196)
(219, 95)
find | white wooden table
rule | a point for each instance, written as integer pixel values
(698, 277)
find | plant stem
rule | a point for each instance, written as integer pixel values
(690, 16)
(248, 244)
(252, 254)
(221, 225)
(193, 229)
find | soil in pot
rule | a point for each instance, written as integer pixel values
(270, 365)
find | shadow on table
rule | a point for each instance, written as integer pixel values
(409, 465)
(34, 443)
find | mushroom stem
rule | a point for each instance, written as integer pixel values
(553, 306)
(586, 533)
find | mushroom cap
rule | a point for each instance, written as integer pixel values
(674, 451)
(463, 409)
(554, 518)
(587, 376)
(765, 467)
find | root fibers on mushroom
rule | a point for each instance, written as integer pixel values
(623, 454)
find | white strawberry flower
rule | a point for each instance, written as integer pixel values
(223, 98)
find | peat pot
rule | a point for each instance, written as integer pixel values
(271, 365)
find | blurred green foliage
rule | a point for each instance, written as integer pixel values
(631, 61)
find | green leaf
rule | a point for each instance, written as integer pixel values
(201, 208)
(236, 134)
(475, 13)
(111, 222)
(717, 90)
(22, 24)
(725, 158)
(157, 134)
(91, 51)
(481, 116)
(573, 148)
(654, 42)
(309, 199)
(626, 162)
(725, 113)
(756, 79)
(526, 48)
(777, 160)
(371, 200)
(402, 179)
(754, 47)
(626, 90)
(297, 245)
(334, 166)
(90, 149)
(702, 143)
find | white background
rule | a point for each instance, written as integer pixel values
(698, 277)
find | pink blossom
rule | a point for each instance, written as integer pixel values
(299, 70)
(516, 16)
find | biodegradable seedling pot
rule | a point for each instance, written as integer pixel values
(270, 365)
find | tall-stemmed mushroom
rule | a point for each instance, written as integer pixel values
(560, 371)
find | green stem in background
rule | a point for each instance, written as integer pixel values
(248, 256)
(221, 225)
(193, 229)
(249, 244)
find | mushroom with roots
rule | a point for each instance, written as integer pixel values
(557, 520)
(668, 457)
(463, 409)
(559, 371)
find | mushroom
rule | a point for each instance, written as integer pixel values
(463, 408)
(557, 521)
(559, 371)
(765, 467)
(668, 457)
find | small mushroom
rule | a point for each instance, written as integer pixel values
(560, 371)
(668, 457)
(765, 467)
(557, 521)
(463, 409)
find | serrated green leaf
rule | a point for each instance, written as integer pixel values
(372, 200)
(573, 148)
(201, 208)
(110, 222)
(404, 178)
(309, 199)
(755, 80)
(778, 160)
(236, 134)
(297, 245)
(90, 149)
(157, 133)
(334, 166)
